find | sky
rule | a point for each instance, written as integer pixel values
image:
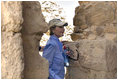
(69, 8)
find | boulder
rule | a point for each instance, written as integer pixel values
(97, 18)
(34, 25)
(97, 60)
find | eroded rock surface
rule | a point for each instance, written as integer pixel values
(22, 26)
(34, 26)
(95, 19)
(97, 59)
(12, 57)
(95, 34)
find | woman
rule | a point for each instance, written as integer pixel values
(53, 50)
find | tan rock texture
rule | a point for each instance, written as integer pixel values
(22, 26)
(97, 60)
(12, 57)
(95, 35)
(95, 38)
(34, 26)
(95, 19)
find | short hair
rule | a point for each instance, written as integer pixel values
(51, 29)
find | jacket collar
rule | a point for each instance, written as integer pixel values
(54, 37)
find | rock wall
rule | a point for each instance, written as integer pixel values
(95, 38)
(94, 20)
(95, 35)
(34, 26)
(97, 60)
(22, 25)
(12, 57)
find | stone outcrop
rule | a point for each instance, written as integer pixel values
(97, 59)
(95, 35)
(22, 26)
(34, 26)
(95, 38)
(94, 20)
(12, 57)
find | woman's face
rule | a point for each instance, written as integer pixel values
(59, 31)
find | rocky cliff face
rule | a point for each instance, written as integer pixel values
(34, 26)
(22, 26)
(94, 20)
(97, 60)
(12, 57)
(95, 36)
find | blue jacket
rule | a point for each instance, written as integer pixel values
(53, 53)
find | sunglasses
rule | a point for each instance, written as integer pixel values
(60, 26)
